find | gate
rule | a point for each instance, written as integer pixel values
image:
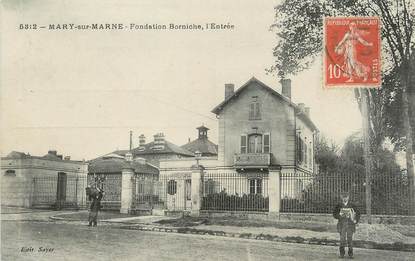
(172, 192)
(61, 190)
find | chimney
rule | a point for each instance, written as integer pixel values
(142, 140)
(307, 111)
(67, 157)
(159, 138)
(286, 88)
(301, 106)
(128, 157)
(131, 140)
(229, 90)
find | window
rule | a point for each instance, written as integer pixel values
(171, 187)
(10, 173)
(255, 143)
(310, 157)
(300, 150)
(305, 154)
(243, 144)
(255, 186)
(255, 109)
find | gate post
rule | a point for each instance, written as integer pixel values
(197, 192)
(274, 191)
(127, 188)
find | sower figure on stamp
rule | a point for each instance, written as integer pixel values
(348, 216)
(95, 195)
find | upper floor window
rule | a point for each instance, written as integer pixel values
(255, 143)
(300, 149)
(255, 109)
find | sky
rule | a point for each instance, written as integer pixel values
(81, 92)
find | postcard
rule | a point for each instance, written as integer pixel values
(206, 130)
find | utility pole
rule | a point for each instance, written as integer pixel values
(131, 140)
(367, 152)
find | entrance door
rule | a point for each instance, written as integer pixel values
(61, 190)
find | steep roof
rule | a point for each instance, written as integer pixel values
(116, 164)
(301, 114)
(205, 146)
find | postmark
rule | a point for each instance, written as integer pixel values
(352, 52)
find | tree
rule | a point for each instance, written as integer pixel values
(326, 154)
(298, 25)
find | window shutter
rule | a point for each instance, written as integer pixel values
(258, 111)
(251, 111)
(267, 143)
(244, 143)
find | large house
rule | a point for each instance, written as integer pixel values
(260, 128)
(263, 135)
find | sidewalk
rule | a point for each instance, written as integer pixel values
(376, 236)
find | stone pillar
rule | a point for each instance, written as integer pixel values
(127, 189)
(197, 189)
(274, 191)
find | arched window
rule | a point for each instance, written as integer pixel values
(171, 187)
(10, 173)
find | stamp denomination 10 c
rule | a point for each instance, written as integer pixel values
(352, 52)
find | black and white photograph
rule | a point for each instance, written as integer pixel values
(207, 130)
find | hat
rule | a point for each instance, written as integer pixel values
(344, 194)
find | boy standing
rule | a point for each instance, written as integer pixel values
(348, 216)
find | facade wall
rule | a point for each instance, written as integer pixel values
(21, 190)
(276, 119)
(308, 137)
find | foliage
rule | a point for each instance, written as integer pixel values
(342, 170)
(224, 201)
(298, 26)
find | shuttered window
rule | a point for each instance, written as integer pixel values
(255, 109)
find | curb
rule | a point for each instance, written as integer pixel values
(398, 246)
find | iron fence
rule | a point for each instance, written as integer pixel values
(306, 193)
(110, 183)
(235, 191)
(172, 192)
(59, 192)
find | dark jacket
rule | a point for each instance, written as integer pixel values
(346, 221)
(96, 202)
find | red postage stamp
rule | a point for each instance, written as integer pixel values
(352, 52)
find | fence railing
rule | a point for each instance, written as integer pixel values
(52, 192)
(111, 185)
(235, 192)
(305, 193)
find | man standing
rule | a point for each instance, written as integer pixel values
(95, 206)
(348, 216)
